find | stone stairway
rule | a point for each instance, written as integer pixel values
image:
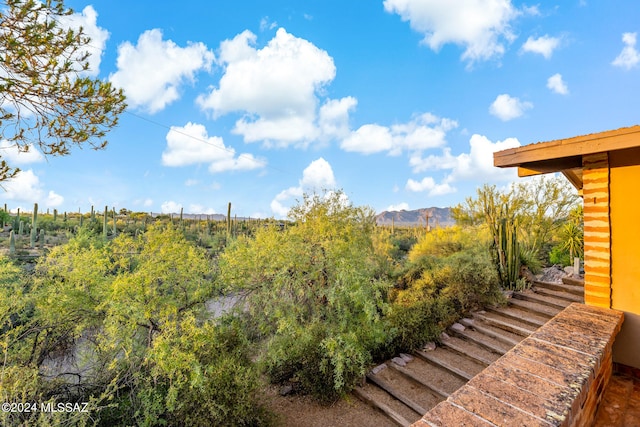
(406, 387)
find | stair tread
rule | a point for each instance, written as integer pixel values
(542, 299)
(521, 329)
(516, 313)
(470, 350)
(558, 294)
(501, 335)
(536, 307)
(488, 342)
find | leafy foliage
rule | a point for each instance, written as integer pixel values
(45, 96)
(315, 293)
(123, 324)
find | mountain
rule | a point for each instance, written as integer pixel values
(438, 217)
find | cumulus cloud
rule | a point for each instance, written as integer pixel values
(557, 85)
(87, 19)
(544, 45)
(476, 165)
(191, 144)
(315, 177)
(169, 207)
(429, 185)
(508, 108)
(404, 206)
(199, 209)
(152, 72)
(26, 187)
(10, 152)
(421, 133)
(481, 26)
(629, 57)
(277, 90)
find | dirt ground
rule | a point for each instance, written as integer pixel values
(296, 411)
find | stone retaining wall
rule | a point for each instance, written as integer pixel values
(555, 377)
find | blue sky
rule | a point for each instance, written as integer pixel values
(400, 103)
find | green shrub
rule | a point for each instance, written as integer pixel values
(560, 256)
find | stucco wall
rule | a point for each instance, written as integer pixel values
(625, 251)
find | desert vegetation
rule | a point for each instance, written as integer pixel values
(114, 310)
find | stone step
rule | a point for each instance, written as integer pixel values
(540, 299)
(518, 314)
(534, 307)
(472, 351)
(429, 385)
(572, 289)
(559, 294)
(508, 338)
(483, 340)
(506, 324)
(436, 357)
(377, 402)
(395, 392)
(573, 281)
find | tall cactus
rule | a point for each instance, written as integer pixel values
(55, 215)
(115, 229)
(34, 225)
(12, 243)
(229, 220)
(104, 222)
(507, 252)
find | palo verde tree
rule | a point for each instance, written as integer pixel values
(313, 292)
(46, 97)
(522, 220)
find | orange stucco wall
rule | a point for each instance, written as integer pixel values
(625, 250)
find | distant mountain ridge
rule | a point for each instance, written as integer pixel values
(438, 217)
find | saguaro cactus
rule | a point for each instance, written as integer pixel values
(104, 222)
(34, 225)
(12, 243)
(229, 220)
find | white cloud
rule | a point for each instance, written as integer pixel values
(423, 132)
(476, 165)
(88, 21)
(557, 85)
(25, 187)
(629, 57)
(334, 117)
(315, 177)
(428, 184)
(399, 207)
(191, 144)
(191, 182)
(481, 26)
(275, 88)
(147, 202)
(11, 153)
(170, 207)
(507, 108)
(152, 72)
(544, 45)
(368, 139)
(199, 209)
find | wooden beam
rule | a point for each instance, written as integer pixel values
(577, 146)
(549, 166)
(575, 177)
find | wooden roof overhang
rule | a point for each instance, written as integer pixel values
(565, 155)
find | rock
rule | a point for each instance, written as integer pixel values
(444, 336)
(286, 389)
(568, 270)
(406, 357)
(507, 294)
(399, 361)
(458, 327)
(379, 368)
(430, 346)
(468, 320)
